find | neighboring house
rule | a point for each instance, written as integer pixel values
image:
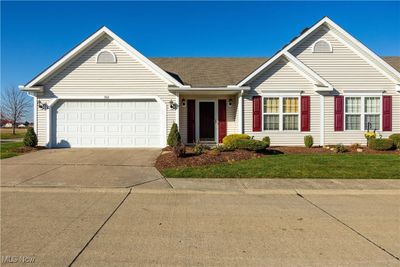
(325, 83)
(8, 125)
(21, 126)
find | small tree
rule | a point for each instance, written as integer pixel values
(14, 105)
(174, 136)
(308, 141)
(30, 138)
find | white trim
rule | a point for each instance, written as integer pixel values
(178, 107)
(205, 89)
(322, 40)
(53, 101)
(281, 92)
(91, 39)
(397, 88)
(240, 110)
(305, 69)
(363, 92)
(106, 50)
(197, 119)
(385, 66)
(36, 89)
(322, 120)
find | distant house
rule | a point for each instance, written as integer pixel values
(8, 125)
(21, 126)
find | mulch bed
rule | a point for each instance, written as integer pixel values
(167, 159)
(26, 149)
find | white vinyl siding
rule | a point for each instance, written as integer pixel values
(231, 113)
(282, 77)
(342, 68)
(83, 76)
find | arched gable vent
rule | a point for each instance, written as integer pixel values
(106, 56)
(322, 46)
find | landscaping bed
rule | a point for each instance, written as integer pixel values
(168, 159)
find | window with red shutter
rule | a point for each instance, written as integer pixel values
(387, 113)
(305, 113)
(257, 113)
(338, 113)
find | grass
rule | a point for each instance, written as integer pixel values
(6, 133)
(379, 166)
(6, 149)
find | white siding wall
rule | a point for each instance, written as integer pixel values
(345, 70)
(83, 76)
(282, 76)
(230, 113)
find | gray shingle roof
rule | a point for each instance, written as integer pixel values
(218, 71)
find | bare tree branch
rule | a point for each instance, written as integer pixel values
(14, 105)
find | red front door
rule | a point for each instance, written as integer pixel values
(221, 119)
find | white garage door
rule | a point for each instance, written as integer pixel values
(107, 123)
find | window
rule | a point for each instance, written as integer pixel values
(106, 56)
(372, 109)
(271, 113)
(362, 113)
(281, 113)
(322, 46)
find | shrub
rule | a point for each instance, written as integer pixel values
(355, 146)
(30, 138)
(199, 149)
(180, 149)
(223, 148)
(396, 140)
(308, 141)
(267, 140)
(174, 136)
(380, 144)
(249, 144)
(340, 148)
(232, 137)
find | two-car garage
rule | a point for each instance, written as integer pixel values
(108, 123)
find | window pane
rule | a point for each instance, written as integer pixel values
(271, 122)
(290, 122)
(271, 105)
(353, 122)
(372, 105)
(353, 104)
(373, 121)
(290, 105)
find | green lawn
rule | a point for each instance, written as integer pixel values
(6, 149)
(6, 133)
(381, 166)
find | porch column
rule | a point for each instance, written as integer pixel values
(240, 111)
(177, 109)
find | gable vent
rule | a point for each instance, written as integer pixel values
(322, 46)
(106, 56)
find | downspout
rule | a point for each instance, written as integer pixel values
(33, 95)
(322, 120)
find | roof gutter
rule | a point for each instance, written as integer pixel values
(33, 89)
(227, 88)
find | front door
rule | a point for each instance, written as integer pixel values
(207, 121)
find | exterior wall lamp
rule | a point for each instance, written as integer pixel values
(230, 101)
(183, 102)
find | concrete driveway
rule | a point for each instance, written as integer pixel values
(82, 168)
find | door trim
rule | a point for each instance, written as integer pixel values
(197, 125)
(52, 102)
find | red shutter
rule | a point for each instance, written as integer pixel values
(221, 119)
(339, 113)
(305, 113)
(191, 136)
(387, 113)
(256, 113)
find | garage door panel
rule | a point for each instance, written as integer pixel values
(108, 123)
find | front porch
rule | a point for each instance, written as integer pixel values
(208, 117)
